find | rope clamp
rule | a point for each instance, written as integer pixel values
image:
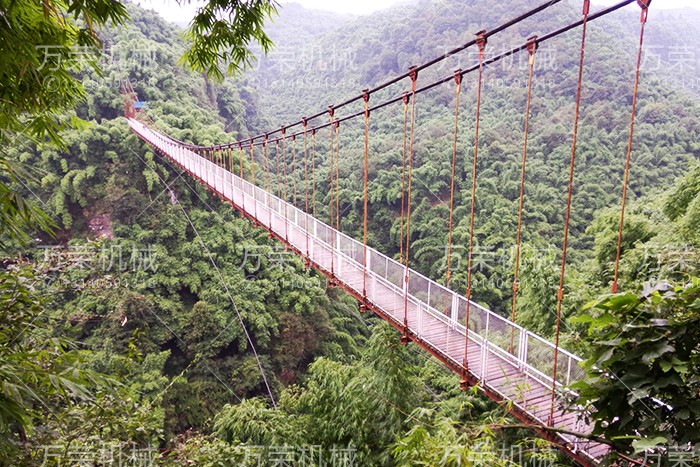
(481, 42)
(413, 74)
(303, 122)
(240, 145)
(294, 136)
(331, 111)
(458, 77)
(406, 98)
(313, 131)
(251, 142)
(532, 46)
(644, 5)
(365, 97)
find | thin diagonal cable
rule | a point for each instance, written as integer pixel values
(235, 307)
(560, 292)
(228, 292)
(628, 157)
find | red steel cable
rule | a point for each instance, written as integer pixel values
(644, 4)
(481, 42)
(458, 90)
(414, 78)
(516, 268)
(365, 195)
(560, 292)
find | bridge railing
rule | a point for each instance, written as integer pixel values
(334, 251)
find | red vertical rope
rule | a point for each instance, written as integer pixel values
(284, 186)
(337, 175)
(230, 160)
(268, 183)
(481, 42)
(266, 165)
(560, 292)
(241, 175)
(331, 152)
(413, 74)
(252, 162)
(313, 172)
(531, 49)
(403, 173)
(252, 177)
(644, 4)
(240, 150)
(293, 165)
(365, 195)
(278, 185)
(458, 89)
(306, 191)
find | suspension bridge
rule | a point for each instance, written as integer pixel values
(513, 366)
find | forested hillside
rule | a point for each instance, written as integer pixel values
(140, 295)
(374, 49)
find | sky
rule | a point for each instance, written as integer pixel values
(171, 11)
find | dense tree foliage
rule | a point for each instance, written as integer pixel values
(147, 274)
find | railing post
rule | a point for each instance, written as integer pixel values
(311, 222)
(525, 350)
(337, 248)
(404, 283)
(485, 347)
(419, 331)
(521, 345)
(454, 313)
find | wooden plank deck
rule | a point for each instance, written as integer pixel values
(503, 374)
